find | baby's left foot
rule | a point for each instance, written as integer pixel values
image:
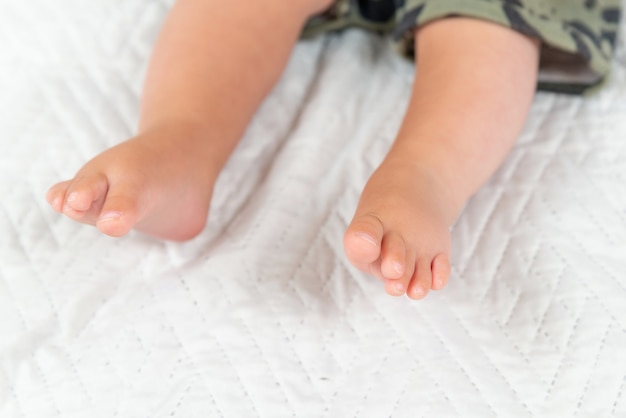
(400, 232)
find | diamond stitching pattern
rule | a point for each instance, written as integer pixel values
(261, 315)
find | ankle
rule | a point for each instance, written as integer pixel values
(434, 181)
(188, 141)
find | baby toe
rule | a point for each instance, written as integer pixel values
(440, 271)
(84, 191)
(56, 195)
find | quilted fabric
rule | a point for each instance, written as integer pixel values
(261, 315)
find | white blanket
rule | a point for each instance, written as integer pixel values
(262, 315)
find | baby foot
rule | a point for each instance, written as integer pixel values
(400, 232)
(155, 183)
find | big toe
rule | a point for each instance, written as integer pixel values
(362, 240)
(120, 212)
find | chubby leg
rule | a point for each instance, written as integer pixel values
(474, 85)
(212, 66)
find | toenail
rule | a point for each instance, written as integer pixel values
(418, 292)
(110, 216)
(399, 288)
(438, 283)
(398, 267)
(72, 197)
(367, 237)
(56, 202)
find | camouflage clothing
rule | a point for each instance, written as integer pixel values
(578, 36)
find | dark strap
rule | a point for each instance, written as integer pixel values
(377, 10)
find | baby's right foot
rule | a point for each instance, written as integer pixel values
(157, 183)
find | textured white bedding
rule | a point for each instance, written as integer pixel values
(262, 315)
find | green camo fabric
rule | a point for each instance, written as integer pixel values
(575, 34)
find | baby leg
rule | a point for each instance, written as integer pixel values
(212, 66)
(474, 85)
